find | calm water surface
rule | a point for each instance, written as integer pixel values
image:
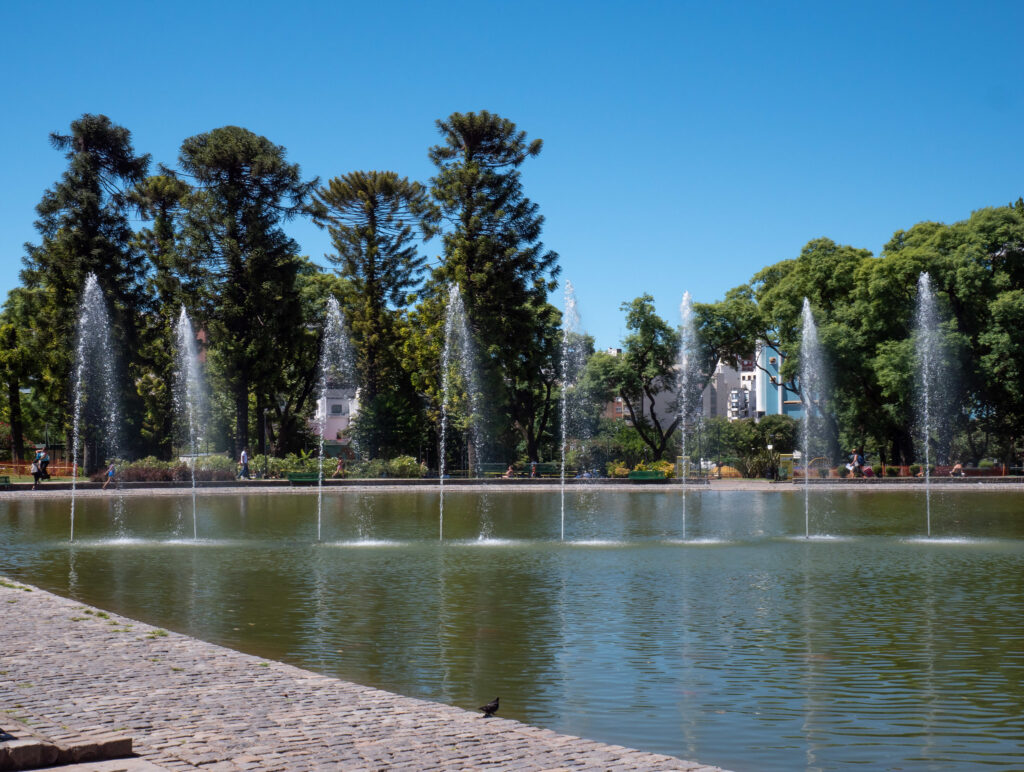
(746, 645)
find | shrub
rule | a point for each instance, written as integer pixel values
(914, 469)
(370, 469)
(892, 471)
(667, 468)
(843, 472)
(216, 467)
(986, 463)
(877, 469)
(823, 472)
(617, 469)
(405, 466)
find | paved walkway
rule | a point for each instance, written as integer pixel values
(66, 668)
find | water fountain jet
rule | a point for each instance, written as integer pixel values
(457, 343)
(336, 371)
(573, 360)
(928, 349)
(189, 396)
(812, 391)
(94, 379)
(688, 377)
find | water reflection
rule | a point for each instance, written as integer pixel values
(749, 646)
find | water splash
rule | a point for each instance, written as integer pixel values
(189, 396)
(812, 392)
(96, 398)
(458, 359)
(688, 381)
(336, 372)
(928, 348)
(573, 359)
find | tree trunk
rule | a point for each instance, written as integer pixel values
(17, 428)
(241, 414)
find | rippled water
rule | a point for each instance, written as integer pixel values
(744, 645)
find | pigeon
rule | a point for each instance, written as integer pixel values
(490, 708)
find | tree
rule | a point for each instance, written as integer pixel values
(83, 221)
(245, 189)
(18, 337)
(172, 283)
(373, 218)
(493, 251)
(643, 372)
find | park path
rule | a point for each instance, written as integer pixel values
(67, 669)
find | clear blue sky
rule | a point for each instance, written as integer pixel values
(686, 144)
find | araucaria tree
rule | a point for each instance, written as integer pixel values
(245, 190)
(374, 219)
(494, 252)
(83, 221)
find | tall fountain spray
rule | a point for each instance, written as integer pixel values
(96, 398)
(458, 359)
(573, 357)
(687, 380)
(336, 372)
(812, 391)
(189, 396)
(928, 348)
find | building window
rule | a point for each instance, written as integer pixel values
(337, 409)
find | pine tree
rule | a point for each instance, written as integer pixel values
(494, 252)
(83, 221)
(373, 218)
(245, 190)
(172, 281)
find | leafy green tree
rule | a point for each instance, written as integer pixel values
(17, 359)
(642, 374)
(493, 251)
(245, 190)
(84, 225)
(374, 218)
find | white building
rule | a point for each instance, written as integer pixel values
(338, 407)
(732, 391)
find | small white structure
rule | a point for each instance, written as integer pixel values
(338, 407)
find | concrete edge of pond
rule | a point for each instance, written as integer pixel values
(674, 486)
(71, 669)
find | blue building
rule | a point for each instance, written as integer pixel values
(773, 398)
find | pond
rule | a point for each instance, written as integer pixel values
(744, 645)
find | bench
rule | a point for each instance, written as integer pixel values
(647, 475)
(494, 470)
(550, 469)
(304, 478)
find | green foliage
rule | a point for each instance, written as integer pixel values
(84, 228)
(406, 466)
(494, 253)
(373, 218)
(152, 469)
(245, 189)
(640, 374)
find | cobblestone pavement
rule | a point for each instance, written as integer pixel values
(66, 668)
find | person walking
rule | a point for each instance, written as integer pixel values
(244, 460)
(43, 459)
(110, 475)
